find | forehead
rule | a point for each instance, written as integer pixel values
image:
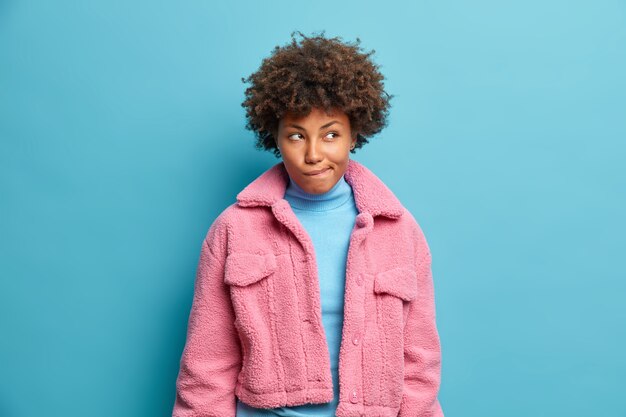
(316, 115)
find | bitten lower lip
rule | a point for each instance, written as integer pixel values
(319, 173)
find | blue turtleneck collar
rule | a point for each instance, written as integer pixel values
(338, 195)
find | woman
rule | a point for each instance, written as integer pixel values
(314, 292)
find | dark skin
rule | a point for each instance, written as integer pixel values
(317, 141)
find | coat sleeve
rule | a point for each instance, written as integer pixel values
(422, 350)
(211, 358)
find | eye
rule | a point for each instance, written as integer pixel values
(333, 133)
(293, 134)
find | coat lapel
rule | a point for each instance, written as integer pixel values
(371, 195)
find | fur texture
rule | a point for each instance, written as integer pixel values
(255, 328)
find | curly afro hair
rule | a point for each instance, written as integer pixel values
(317, 72)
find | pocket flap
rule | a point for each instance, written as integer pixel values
(400, 282)
(243, 269)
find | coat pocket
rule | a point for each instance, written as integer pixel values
(249, 276)
(393, 290)
(401, 282)
(243, 269)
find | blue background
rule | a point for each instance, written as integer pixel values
(122, 137)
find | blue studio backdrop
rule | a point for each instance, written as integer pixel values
(122, 138)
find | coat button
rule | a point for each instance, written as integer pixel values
(360, 221)
(353, 397)
(355, 339)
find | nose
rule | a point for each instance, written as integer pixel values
(313, 154)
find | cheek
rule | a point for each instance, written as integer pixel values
(290, 162)
(291, 156)
(340, 153)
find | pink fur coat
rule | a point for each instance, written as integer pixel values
(255, 327)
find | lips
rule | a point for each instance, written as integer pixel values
(316, 172)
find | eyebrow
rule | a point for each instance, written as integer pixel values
(321, 128)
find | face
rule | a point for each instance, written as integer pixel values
(315, 148)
